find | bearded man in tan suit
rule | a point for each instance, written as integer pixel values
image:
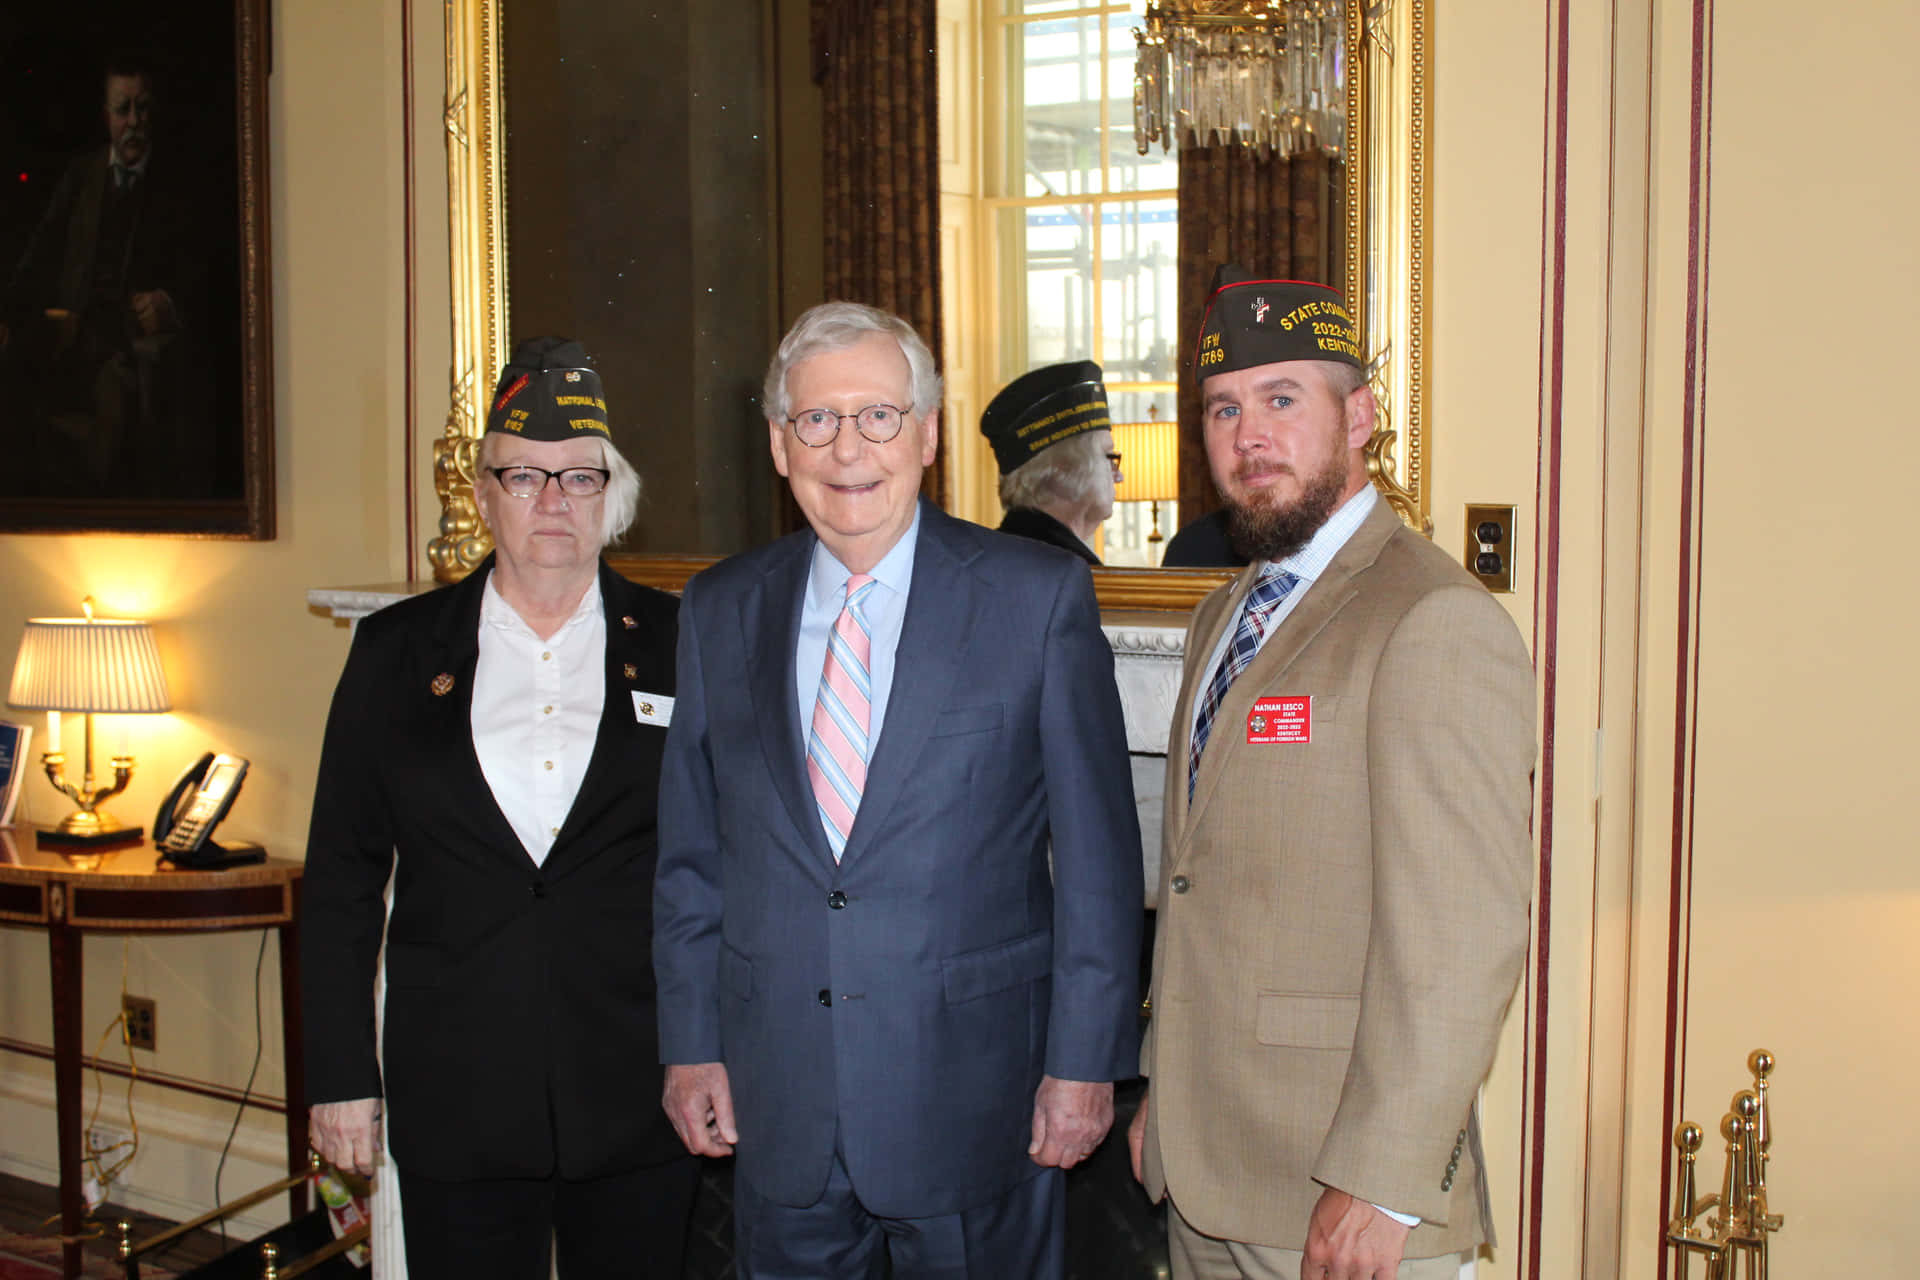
(1346, 873)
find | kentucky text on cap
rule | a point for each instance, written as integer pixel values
(1255, 322)
(549, 391)
(1040, 409)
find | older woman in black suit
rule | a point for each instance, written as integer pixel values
(495, 747)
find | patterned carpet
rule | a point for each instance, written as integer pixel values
(25, 1257)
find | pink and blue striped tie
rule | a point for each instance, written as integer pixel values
(837, 746)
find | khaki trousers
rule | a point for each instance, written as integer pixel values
(1202, 1257)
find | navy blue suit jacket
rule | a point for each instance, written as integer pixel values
(914, 1021)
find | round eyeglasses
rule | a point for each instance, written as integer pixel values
(575, 482)
(877, 422)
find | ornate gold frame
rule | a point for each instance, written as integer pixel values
(1386, 243)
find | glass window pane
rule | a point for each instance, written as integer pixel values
(1139, 291)
(1047, 255)
(1159, 169)
(1057, 149)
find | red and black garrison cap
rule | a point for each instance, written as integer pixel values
(1253, 322)
(549, 391)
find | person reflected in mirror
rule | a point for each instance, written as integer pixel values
(874, 990)
(1205, 543)
(1345, 885)
(1053, 440)
(493, 749)
(102, 320)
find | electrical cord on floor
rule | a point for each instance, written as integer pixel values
(245, 1093)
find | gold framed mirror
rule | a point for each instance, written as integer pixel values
(1385, 205)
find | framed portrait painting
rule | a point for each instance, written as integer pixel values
(135, 341)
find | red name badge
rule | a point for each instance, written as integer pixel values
(1281, 720)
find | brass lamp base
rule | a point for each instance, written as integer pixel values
(77, 833)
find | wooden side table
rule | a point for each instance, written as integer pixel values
(124, 891)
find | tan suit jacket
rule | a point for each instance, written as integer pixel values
(1342, 921)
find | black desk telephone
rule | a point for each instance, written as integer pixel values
(199, 800)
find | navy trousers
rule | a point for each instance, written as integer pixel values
(1021, 1236)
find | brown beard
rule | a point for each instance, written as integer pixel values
(1266, 528)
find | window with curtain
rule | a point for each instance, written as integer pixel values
(1074, 232)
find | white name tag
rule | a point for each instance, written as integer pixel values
(652, 708)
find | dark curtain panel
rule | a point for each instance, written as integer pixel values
(1281, 219)
(874, 61)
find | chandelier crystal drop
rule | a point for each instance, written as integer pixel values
(1260, 73)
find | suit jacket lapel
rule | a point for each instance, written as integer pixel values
(616, 716)
(769, 630)
(457, 652)
(933, 640)
(1328, 594)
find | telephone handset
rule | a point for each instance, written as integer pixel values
(199, 800)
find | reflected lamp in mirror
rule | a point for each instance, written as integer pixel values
(88, 665)
(1150, 462)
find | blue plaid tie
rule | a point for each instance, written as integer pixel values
(1267, 593)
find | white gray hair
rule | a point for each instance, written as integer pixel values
(1063, 480)
(835, 326)
(622, 493)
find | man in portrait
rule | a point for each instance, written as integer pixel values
(103, 318)
(898, 904)
(1344, 896)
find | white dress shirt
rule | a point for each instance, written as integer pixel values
(536, 712)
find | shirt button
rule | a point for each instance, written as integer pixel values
(836, 899)
(549, 766)
(826, 998)
(547, 656)
(547, 710)
(1181, 884)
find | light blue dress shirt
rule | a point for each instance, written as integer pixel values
(886, 608)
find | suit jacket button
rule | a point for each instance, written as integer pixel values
(836, 899)
(826, 998)
(1181, 884)
(538, 889)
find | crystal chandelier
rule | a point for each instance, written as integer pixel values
(1262, 73)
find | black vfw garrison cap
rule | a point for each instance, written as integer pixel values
(1040, 409)
(1254, 322)
(549, 391)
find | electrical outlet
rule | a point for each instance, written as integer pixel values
(143, 1022)
(1490, 545)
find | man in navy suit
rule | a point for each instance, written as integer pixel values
(899, 894)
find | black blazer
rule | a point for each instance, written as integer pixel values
(520, 1018)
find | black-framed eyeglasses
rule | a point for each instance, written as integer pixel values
(877, 422)
(575, 482)
(1113, 459)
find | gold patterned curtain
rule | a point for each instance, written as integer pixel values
(874, 62)
(1279, 218)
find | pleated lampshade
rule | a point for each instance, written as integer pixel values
(1150, 459)
(83, 664)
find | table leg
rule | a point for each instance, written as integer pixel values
(64, 955)
(293, 1048)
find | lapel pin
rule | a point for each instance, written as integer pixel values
(646, 708)
(442, 685)
(633, 672)
(628, 622)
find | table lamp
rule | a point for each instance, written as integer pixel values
(87, 665)
(1150, 460)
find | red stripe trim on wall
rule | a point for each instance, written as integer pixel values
(1547, 619)
(1692, 540)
